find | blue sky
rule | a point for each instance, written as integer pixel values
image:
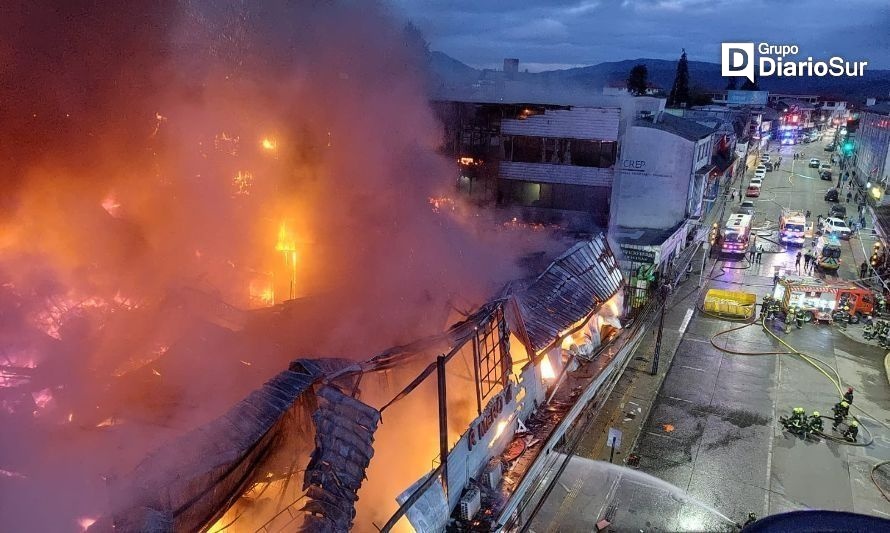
(567, 33)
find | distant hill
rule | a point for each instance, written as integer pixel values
(703, 75)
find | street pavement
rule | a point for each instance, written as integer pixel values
(712, 429)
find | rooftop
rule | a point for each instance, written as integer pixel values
(643, 236)
(882, 108)
(682, 127)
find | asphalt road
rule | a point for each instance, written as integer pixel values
(713, 429)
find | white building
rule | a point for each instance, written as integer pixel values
(658, 190)
(873, 145)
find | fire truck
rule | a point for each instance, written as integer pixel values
(815, 296)
(792, 227)
(736, 234)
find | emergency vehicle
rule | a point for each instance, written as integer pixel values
(792, 226)
(813, 295)
(736, 234)
(828, 252)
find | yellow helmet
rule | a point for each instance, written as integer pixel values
(854, 424)
(816, 413)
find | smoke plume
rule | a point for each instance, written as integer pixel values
(170, 165)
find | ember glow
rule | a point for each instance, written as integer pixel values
(173, 170)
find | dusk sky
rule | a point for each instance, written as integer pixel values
(554, 34)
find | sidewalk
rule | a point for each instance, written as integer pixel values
(627, 408)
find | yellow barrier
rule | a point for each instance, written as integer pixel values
(730, 303)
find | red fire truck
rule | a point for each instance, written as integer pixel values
(814, 295)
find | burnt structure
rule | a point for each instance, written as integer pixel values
(473, 386)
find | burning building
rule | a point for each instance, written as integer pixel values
(334, 444)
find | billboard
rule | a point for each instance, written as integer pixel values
(747, 97)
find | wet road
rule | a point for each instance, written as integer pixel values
(713, 430)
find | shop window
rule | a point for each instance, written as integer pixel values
(494, 356)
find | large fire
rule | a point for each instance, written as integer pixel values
(137, 247)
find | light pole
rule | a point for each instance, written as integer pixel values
(665, 292)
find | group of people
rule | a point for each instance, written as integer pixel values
(801, 424)
(809, 261)
(755, 255)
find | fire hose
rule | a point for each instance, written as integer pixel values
(815, 362)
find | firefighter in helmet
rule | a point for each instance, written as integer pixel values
(815, 422)
(852, 431)
(841, 409)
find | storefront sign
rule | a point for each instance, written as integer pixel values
(636, 255)
(487, 419)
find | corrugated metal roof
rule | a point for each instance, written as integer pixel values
(193, 478)
(577, 123)
(682, 127)
(572, 287)
(544, 173)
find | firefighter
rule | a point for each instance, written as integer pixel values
(799, 319)
(848, 396)
(789, 318)
(844, 316)
(841, 409)
(764, 307)
(796, 423)
(774, 308)
(815, 422)
(852, 431)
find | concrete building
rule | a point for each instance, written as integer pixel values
(659, 190)
(872, 142)
(544, 156)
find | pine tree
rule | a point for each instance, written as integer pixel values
(680, 90)
(733, 84)
(638, 80)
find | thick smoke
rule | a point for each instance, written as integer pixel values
(153, 152)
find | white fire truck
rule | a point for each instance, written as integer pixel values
(792, 227)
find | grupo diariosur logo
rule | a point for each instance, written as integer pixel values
(780, 60)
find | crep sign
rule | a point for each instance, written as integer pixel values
(633, 165)
(486, 420)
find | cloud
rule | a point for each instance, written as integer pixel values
(588, 32)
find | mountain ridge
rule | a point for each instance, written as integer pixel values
(702, 75)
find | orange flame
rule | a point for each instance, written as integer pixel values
(547, 371)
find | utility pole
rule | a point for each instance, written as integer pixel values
(665, 292)
(706, 247)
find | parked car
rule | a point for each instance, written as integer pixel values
(772, 166)
(764, 158)
(829, 148)
(825, 166)
(831, 195)
(753, 191)
(825, 175)
(760, 174)
(756, 181)
(814, 163)
(746, 207)
(760, 167)
(838, 211)
(837, 227)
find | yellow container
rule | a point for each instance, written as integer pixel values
(730, 303)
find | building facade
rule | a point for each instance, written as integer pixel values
(872, 142)
(551, 162)
(660, 189)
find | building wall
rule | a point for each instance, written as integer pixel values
(576, 123)
(652, 185)
(873, 140)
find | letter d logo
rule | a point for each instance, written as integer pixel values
(737, 59)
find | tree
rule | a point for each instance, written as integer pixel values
(733, 84)
(750, 86)
(680, 90)
(638, 80)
